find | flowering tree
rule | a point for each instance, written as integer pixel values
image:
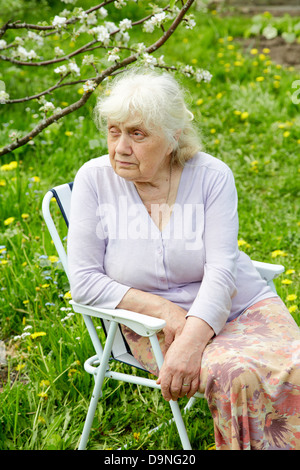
(104, 49)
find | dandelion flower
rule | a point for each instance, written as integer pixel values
(291, 297)
(293, 308)
(37, 334)
(276, 253)
(9, 220)
(53, 259)
(286, 281)
(244, 115)
(253, 51)
(25, 216)
(68, 295)
(260, 79)
(290, 271)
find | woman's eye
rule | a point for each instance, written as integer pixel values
(114, 131)
(138, 134)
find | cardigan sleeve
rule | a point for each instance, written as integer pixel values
(86, 247)
(214, 299)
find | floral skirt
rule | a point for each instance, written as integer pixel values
(250, 376)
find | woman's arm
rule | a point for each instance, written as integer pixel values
(158, 307)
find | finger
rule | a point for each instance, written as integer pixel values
(193, 387)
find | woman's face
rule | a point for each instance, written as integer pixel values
(135, 154)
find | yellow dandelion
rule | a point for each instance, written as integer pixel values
(25, 216)
(286, 134)
(37, 334)
(293, 308)
(213, 131)
(276, 253)
(244, 115)
(80, 91)
(199, 102)
(291, 297)
(68, 133)
(9, 220)
(290, 271)
(41, 420)
(237, 113)
(219, 95)
(25, 302)
(44, 383)
(19, 367)
(43, 395)
(36, 179)
(68, 295)
(260, 79)
(2, 183)
(266, 50)
(262, 57)
(254, 51)
(53, 259)
(286, 281)
(9, 166)
(136, 435)
(3, 262)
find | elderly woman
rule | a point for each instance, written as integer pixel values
(153, 229)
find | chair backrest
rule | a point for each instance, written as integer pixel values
(62, 194)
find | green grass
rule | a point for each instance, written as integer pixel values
(250, 124)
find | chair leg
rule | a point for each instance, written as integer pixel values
(173, 404)
(98, 385)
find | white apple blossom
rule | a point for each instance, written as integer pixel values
(148, 60)
(23, 54)
(47, 106)
(59, 21)
(103, 12)
(110, 26)
(140, 47)
(89, 85)
(202, 75)
(35, 37)
(88, 59)
(3, 96)
(58, 51)
(102, 34)
(125, 24)
(113, 55)
(61, 69)
(190, 23)
(2, 43)
(119, 4)
(73, 67)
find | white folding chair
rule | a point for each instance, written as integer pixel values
(115, 346)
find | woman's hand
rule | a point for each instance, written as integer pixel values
(180, 373)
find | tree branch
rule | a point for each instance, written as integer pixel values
(108, 72)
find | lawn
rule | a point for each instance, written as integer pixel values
(247, 118)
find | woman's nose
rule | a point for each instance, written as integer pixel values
(123, 146)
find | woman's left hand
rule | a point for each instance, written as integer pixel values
(180, 372)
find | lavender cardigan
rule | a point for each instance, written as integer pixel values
(113, 244)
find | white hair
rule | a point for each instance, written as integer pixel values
(154, 100)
